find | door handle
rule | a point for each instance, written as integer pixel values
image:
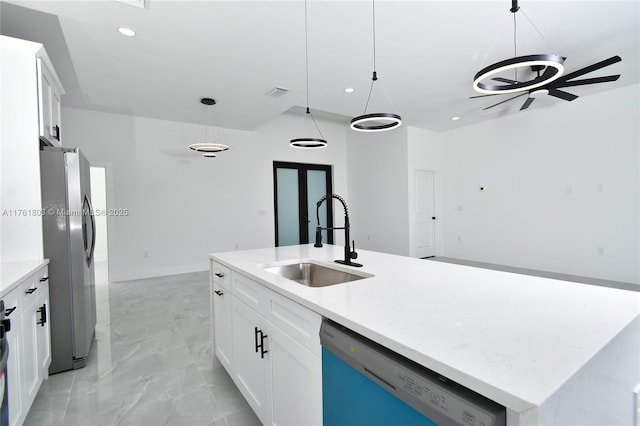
(56, 132)
(219, 275)
(262, 349)
(260, 345)
(9, 311)
(31, 290)
(433, 217)
(218, 292)
(43, 315)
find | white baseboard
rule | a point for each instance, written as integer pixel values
(157, 272)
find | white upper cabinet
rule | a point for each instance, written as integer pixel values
(49, 94)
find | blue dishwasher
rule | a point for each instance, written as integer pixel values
(364, 383)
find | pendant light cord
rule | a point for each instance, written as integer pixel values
(375, 74)
(306, 59)
(515, 43)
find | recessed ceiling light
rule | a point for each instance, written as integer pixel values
(455, 118)
(126, 31)
(348, 90)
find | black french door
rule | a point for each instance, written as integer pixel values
(296, 188)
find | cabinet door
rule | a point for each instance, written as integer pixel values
(30, 368)
(48, 105)
(56, 121)
(43, 332)
(13, 312)
(250, 359)
(295, 380)
(223, 326)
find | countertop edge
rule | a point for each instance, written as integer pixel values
(13, 273)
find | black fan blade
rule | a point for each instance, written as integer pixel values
(562, 94)
(506, 100)
(484, 96)
(584, 81)
(586, 70)
(505, 80)
(526, 103)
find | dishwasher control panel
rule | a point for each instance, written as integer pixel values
(439, 399)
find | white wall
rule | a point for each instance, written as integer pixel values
(182, 206)
(561, 188)
(378, 190)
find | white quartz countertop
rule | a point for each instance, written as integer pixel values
(12, 273)
(513, 338)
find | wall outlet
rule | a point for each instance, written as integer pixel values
(600, 187)
(459, 239)
(569, 190)
(600, 250)
(145, 254)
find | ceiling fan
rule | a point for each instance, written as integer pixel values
(553, 88)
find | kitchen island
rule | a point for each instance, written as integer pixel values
(552, 352)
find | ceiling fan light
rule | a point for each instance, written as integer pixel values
(209, 155)
(553, 63)
(308, 143)
(376, 122)
(540, 93)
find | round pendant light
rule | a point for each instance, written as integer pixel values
(378, 121)
(208, 147)
(551, 65)
(205, 135)
(308, 142)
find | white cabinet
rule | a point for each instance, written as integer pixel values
(275, 359)
(13, 312)
(49, 93)
(221, 328)
(295, 379)
(29, 342)
(251, 348)
(222, 322)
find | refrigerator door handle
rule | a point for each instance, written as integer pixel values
(93, 230)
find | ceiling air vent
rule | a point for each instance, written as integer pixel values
(142, 4)
(276, 92)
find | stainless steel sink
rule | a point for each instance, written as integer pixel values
(313, 274)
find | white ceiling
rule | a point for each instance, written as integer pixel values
(236, 51)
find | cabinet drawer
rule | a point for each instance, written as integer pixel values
(221, 275)
(32, 286)
(250, 292)
(12, 305)
(302, 324)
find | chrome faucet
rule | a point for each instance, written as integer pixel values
(349, 252)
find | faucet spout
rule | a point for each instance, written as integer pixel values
(349, 253)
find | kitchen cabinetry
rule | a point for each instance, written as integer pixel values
(13, 312)
(29, 342)
(275, 358)
(27, 83)
(49, 93)
(222, 319)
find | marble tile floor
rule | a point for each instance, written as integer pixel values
(150, 363)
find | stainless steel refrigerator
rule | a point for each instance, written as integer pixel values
(69, 243)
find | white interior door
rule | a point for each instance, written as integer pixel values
(425, 226)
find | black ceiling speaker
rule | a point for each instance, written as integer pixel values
(553, 88)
